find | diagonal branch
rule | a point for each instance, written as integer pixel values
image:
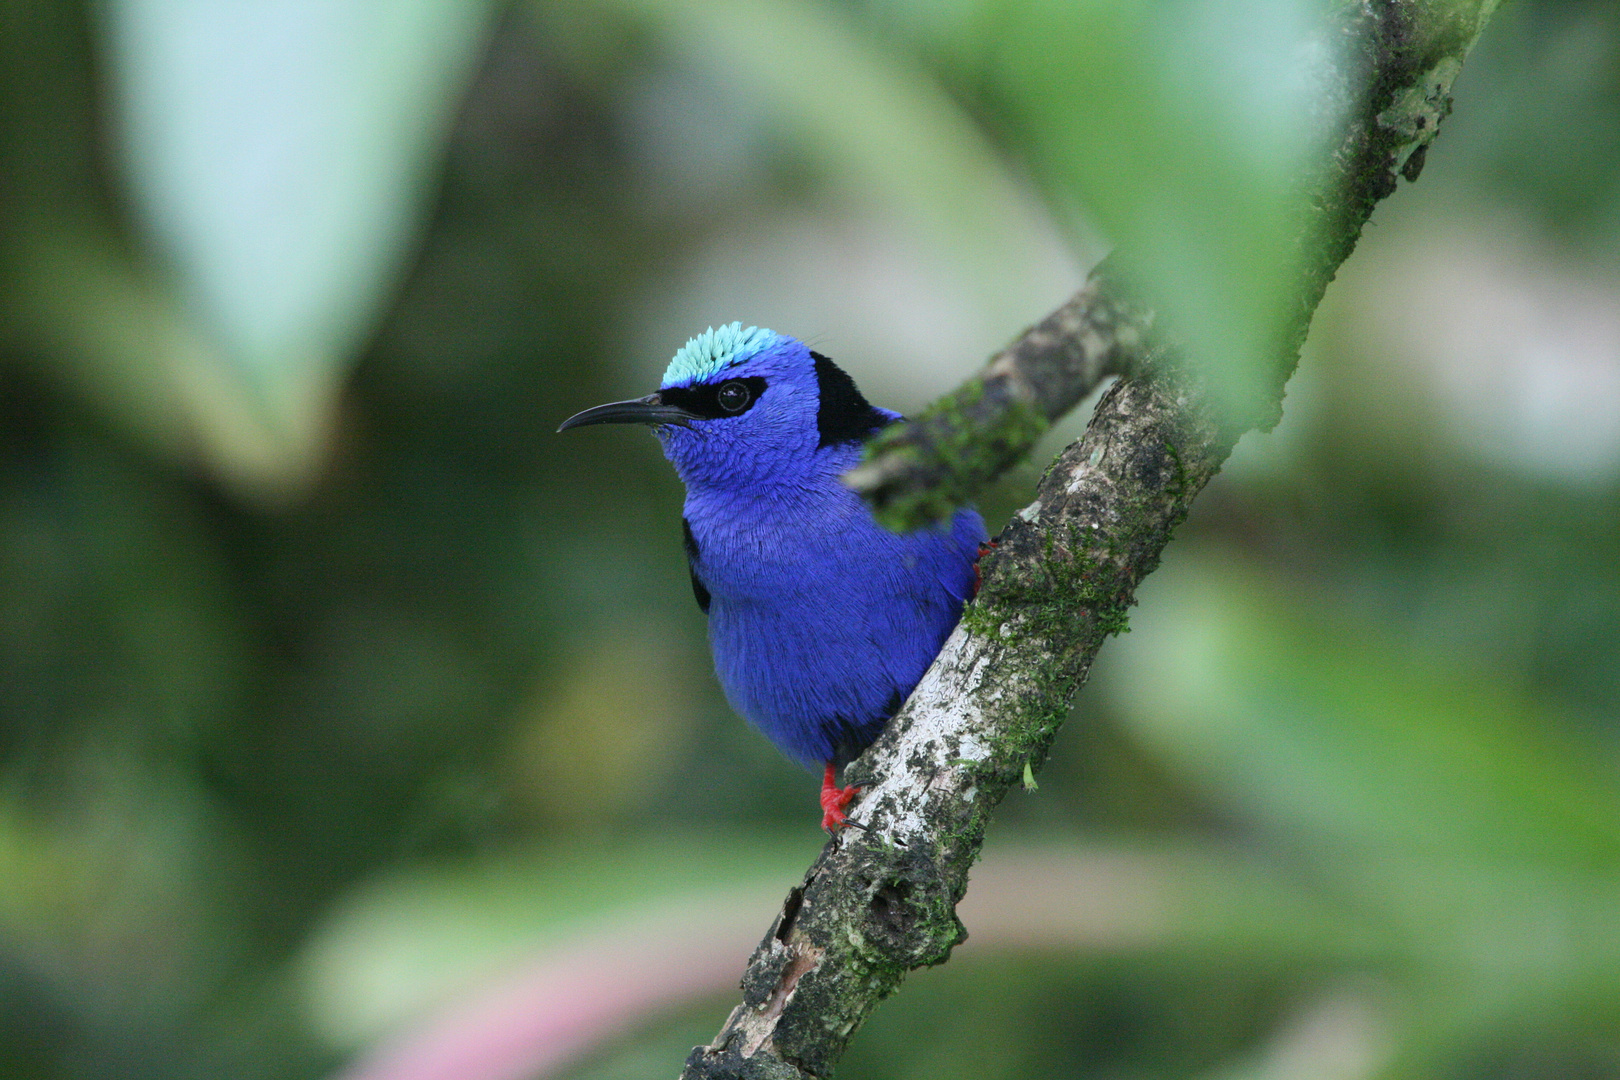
(882, 901)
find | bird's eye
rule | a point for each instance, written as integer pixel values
(733, 396)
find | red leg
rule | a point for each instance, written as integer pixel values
(833, 801)
(978, 579)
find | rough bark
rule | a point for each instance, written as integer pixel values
(881, 900)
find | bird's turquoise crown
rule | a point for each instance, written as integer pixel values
(714, 350)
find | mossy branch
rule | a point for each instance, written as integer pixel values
(881, 900)
(920, 472)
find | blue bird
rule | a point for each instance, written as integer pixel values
(821, 620)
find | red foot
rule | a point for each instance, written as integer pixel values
(833, 801)
(984, 549)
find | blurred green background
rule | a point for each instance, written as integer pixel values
(335, 690)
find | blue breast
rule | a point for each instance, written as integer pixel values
(821, 621)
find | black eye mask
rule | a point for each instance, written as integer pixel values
(715, 401)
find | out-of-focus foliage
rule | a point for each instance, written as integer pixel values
(276, 158)
(1212, 122)
(332, 683)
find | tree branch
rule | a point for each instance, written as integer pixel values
(881, 900)
(922, 471)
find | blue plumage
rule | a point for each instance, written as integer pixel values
(821, 621)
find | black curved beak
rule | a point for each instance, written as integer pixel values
(648, 410)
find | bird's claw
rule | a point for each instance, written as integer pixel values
(833, 801)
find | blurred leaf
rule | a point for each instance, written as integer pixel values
(119, 338)
(1188, 128)
(279, 156)
(1485, 832)
(1313, 723)
(416, 938)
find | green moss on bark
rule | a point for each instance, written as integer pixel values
(966, 443)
